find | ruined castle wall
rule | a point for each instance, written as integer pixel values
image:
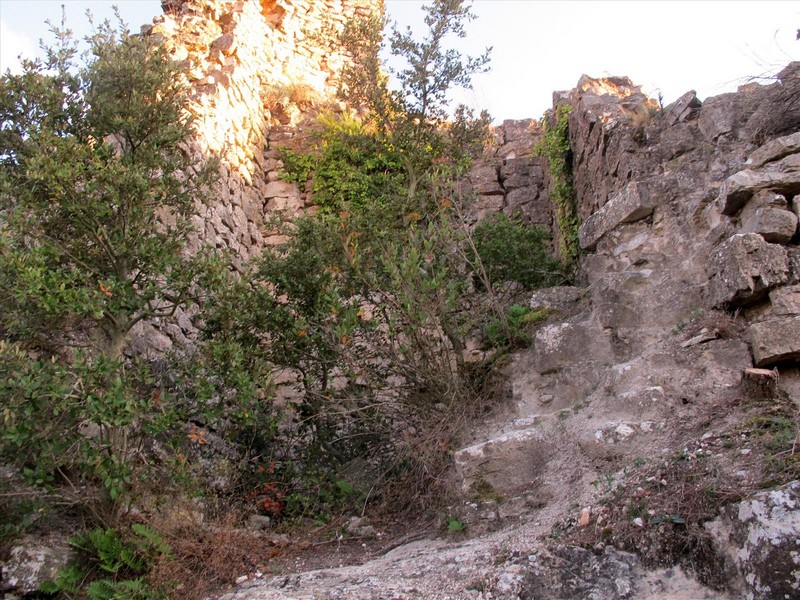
(251, 65)
(254, 69)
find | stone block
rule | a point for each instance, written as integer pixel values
(32, 562)
(775, 340)
(759, 200)
(775, 150)
(556, 346)
(684, 108)
(744, 268)
(508, 463)
(773, 224)
(560, 298)
(484, 180)
(516, 173)
(280, 188)
(785, 300)
(630, 205)
(782, 177)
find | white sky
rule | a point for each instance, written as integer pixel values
(541, 46)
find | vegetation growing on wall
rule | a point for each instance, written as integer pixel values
(366, 310)
(555, 147)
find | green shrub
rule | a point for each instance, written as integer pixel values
(513, 331)
(113, 565)
(512, 251)
(349, 167)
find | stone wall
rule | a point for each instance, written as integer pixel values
(255, 70)
(252, 65)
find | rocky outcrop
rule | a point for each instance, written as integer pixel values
(744, 268)
(33, 562)
(761, 541)
(690, 278)
(632, 204)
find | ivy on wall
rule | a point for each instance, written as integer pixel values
(555, 147)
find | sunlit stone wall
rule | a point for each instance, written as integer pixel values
(254, 67)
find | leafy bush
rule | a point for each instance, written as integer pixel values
(512, 251)
(349, 167)
(513, 331)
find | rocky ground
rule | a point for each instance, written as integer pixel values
(649, 445)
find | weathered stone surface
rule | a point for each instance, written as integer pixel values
(718, 117)
(280, 188)
(516, 173)
(484, 180)
(509, 463)
(744, 268)
(33, 562)
(760, 200)
(556, 346)
(775, 340)
(631, 204)
(775, 150)
(225, 43)
(685, 108)
(561, 298)
(785, 300)
(760, 540)
(606, 157)
(773, 224)
(782, 177)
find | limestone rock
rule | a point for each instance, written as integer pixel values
(775, 340)
(33, 562)
(483, 178)
(556, 346)
(782, 177)
(507, 463)
(775, 150)
(630, 205)
(684, 108)
(559, 298)
(773, 224)
(785, 300)
(760, 540)
(744, 268)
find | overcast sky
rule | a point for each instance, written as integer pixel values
(667, 47)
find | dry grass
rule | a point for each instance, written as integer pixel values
(733, 449)
(208, 559)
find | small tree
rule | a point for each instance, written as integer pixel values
(96, 190)
(414, 119)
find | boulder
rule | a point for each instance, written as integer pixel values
(630, 205)
(744, 268)
(516, 173)
(759, 539)
(785, 300)
(559, 298)
(684, 108)
(775, 150)
(33, 562)
(782, 177)
(483, 178)
(775, 340)
(556, 346)
(773, 224)
(508, 463)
